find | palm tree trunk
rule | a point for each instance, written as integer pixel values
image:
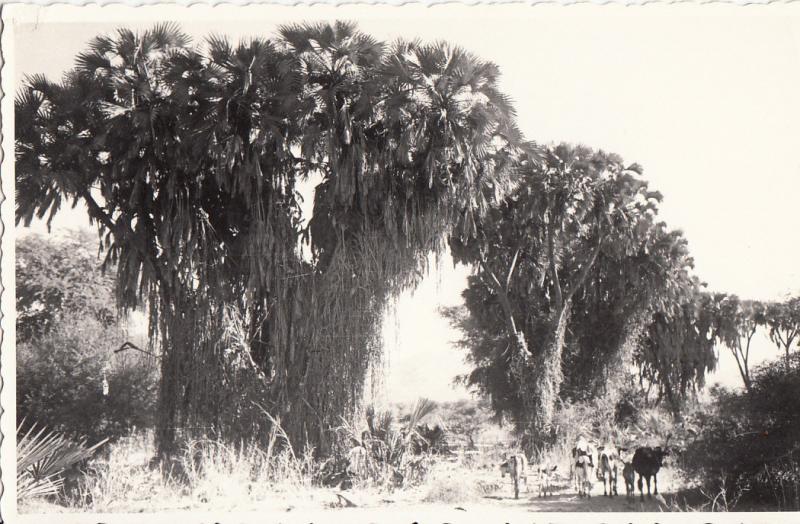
(549, 373)
(175, 386)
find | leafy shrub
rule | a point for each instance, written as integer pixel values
(749, 443)
(58, 277)
(68, 373)
(72, 379)
(432, 439)
(469, 421)
(630, 402)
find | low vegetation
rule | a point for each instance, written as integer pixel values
(720, 461)
(74, 373)
(43, 457)
(124, 477)
(746, 445)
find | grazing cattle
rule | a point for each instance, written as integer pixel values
(607, 469)
(583, 475)
(646, 462)
(517, 467)
(582, 449)
(545, 473)
(629, 475)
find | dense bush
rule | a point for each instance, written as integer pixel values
(748, 444)
(72, 381)
(58, 277)
(69, 377)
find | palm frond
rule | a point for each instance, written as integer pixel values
(42, 456)
(422, 408)
(220, 49)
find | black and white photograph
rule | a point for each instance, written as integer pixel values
(379, 263)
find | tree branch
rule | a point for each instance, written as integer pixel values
(97, 212)
(130, 345)
(736, 355)
(580, 278)
(551, 254)
(123, 230)
(502, 295)
(511, 269)
(505, 302)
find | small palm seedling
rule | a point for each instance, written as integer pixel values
(42, 458)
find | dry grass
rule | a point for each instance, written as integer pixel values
(453, 489)
(207, 472)
(209, 475)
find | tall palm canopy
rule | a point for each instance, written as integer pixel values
(188, 158)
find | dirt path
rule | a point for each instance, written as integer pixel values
(571, 502)
(492, 510)
(486, 509)
(316, 505)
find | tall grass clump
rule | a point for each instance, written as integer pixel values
(205, 471)
(453, 489)
(125, 478)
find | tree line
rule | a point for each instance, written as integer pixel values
(576, 277)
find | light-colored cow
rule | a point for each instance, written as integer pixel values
(584, 470)
(629, 475)
(516, 465)
(607, 468)
(583, 448)
(545, 473)
(626, 468)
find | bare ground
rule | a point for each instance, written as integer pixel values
(431, 502)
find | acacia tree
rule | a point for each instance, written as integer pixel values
(783, 320)
(736, 323)
(188, 159)
(578, 227)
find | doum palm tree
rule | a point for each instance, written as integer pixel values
(189, 158)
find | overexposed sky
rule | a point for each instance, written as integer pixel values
(706, 98)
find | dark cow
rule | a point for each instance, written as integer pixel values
(646, 462)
